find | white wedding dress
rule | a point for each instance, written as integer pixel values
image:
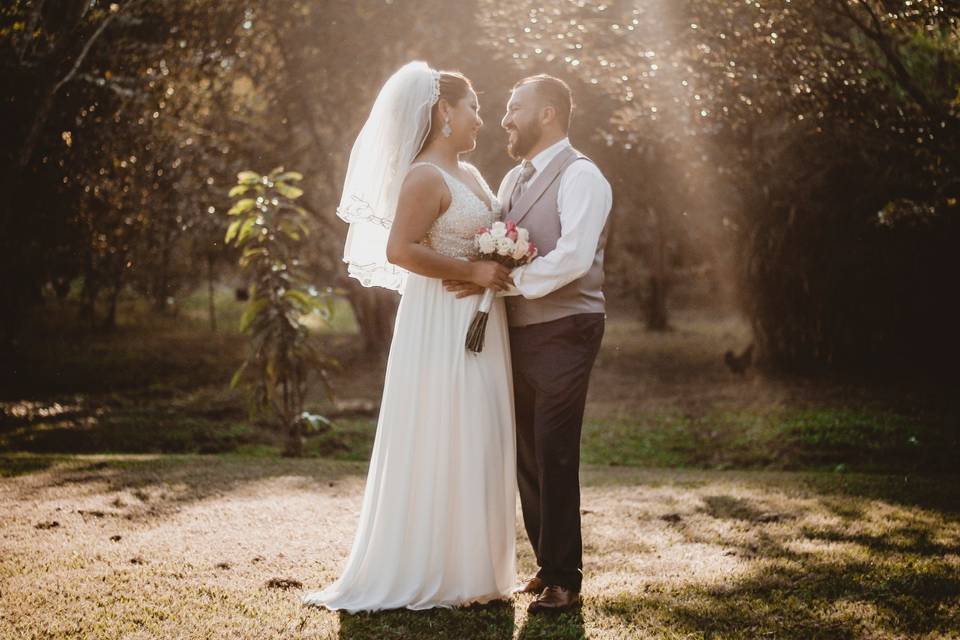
(437, 524)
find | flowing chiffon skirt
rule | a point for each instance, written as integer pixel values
(437, 523)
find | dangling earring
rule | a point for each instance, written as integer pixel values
(446, 131)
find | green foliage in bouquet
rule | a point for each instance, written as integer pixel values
(268, 228)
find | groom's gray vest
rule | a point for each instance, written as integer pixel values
(536, 211)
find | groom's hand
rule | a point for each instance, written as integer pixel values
(462, 289)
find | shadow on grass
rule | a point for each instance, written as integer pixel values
(906, 539)
(934, 492)
(560, 626)
(166, 483)
(494, 621)
(829, 599)
(205, 421)
(728, 507)
(135, 431)
(866, 569)
(14, 465)
(880, 573)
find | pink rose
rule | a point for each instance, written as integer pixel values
(512, 233)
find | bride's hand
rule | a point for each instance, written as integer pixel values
(490, 275)
(462, 289)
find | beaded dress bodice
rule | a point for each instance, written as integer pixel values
(452, 234)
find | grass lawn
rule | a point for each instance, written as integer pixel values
(139, 500)
(185, 546)
(159, 385)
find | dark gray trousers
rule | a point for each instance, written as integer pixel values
(551, 371)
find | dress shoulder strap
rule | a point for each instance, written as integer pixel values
(479, 177)
(472, 169)
(429, 164)
(448, 180)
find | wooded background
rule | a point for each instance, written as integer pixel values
(798, 157)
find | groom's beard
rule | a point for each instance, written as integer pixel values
(526, 137)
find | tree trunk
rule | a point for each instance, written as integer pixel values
(291, 415)
(161, 282)
(295, 440)
(110, 321)
(656, 303)
(656, 307)
(375, 309)
(212, 308)
(88, 298)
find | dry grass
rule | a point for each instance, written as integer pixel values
(221, 546)
(669, 554)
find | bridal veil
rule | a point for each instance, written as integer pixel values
(390, 139)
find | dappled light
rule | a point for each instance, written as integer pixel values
(669, 553)
(220, 252)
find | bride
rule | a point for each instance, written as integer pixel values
(436, 526)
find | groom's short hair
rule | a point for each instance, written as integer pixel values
(554, 92)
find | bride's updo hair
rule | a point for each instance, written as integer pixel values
(454, 87)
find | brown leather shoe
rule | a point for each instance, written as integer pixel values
(533, 585)
(555, 598)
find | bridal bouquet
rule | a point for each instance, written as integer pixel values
(508, 244)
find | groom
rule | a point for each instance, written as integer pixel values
(556, 323)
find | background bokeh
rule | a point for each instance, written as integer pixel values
(797, 159)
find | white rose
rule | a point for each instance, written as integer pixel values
(498, 230)
(504, 246)
(523, 235)
(520, 249)
(487, 243)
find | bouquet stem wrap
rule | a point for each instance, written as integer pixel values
(478, 327)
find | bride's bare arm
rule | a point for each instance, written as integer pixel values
(423, 197)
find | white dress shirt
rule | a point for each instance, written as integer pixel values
(583, 200)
